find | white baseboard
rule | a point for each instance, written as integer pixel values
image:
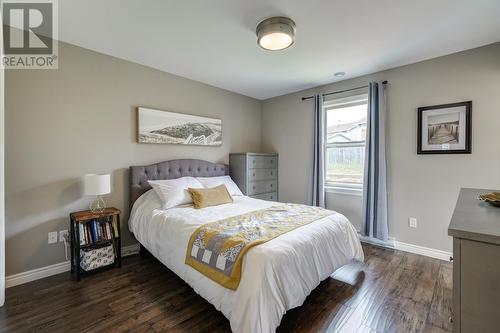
(424, 251)
(130, 250)
(374, 241)
(406, 247)
(43, 272)
(35, 274)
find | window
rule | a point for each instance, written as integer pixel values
(345, 141)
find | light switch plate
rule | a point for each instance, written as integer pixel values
(412, 222)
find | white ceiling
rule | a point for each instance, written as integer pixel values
(213, 41)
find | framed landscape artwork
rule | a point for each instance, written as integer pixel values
(445, 129)
(155, 126)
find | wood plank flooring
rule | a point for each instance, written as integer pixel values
(392, 291)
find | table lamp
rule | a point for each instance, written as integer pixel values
(97, 185)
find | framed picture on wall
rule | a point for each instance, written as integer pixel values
(445, 129)
(156, 126)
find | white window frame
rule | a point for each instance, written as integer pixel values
(2, 182)
(338, 103)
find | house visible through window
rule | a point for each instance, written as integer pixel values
(345, 141)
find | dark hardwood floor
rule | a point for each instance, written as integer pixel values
(392, 291)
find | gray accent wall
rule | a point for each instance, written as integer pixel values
(62, 124)
(421, 186)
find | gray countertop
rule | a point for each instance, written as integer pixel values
(474, 219)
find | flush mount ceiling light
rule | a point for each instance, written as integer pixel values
(275, 33)
(339, 74)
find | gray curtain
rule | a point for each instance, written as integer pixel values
(317, 188)
(375, 223)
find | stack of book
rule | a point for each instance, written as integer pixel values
(97, 230)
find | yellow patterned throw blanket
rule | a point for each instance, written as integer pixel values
(216, 249)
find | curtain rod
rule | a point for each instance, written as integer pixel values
(340, 91)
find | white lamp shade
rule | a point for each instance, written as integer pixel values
(96, 184)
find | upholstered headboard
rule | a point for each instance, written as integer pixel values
(139, 175)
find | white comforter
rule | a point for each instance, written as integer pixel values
(276, 276)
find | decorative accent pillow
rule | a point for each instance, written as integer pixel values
(209, 182)
(174, 192)
(210, 196)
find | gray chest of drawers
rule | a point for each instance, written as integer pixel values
(256, 174)
(475, 227)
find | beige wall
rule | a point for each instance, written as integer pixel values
(62, 124)
(421, 186)
(349, 204)
(81, 119)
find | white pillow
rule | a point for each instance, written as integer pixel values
(210, 182)
(173, 192)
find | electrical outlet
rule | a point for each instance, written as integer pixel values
(62, 235)
(52, 237)
(412, 222)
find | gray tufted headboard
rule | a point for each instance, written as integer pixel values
(139, 175)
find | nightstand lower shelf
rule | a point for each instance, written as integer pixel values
(95, 241)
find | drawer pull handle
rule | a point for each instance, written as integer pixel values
(254, 174)
(271, 185)
(271, 173)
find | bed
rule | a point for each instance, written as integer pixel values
(276, 276)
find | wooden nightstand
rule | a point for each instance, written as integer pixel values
(94, 231)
